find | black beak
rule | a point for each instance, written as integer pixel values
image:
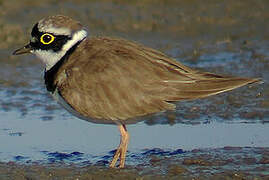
(26, 49)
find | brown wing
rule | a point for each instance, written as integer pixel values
(118, 80)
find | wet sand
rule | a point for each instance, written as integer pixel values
(225, 163)
(227, 37)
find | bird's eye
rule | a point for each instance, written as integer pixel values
(47, 38)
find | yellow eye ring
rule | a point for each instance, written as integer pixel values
(47, 38)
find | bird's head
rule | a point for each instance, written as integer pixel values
(52, 37)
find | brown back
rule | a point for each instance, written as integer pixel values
(115, 79)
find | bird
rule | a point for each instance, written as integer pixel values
(110, 80)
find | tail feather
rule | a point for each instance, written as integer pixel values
(204, 88)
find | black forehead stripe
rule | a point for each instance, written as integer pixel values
(35, 31)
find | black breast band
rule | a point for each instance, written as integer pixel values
(50, 75)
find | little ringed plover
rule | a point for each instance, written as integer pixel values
(112, 80)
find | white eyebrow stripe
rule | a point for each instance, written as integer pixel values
(56, 31)
(49, 28)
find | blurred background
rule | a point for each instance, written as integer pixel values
(225, 37)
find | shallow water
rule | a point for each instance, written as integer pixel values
(76, 141)
(34, 128)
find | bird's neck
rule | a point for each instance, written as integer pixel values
(50, 74)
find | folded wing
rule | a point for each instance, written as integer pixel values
(120, 80)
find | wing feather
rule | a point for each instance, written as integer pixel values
(117, 80)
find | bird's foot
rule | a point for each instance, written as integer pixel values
(122, 149)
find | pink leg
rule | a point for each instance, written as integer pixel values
(122, 149)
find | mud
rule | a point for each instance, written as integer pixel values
(225, 163)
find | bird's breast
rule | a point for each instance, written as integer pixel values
(58, 97)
